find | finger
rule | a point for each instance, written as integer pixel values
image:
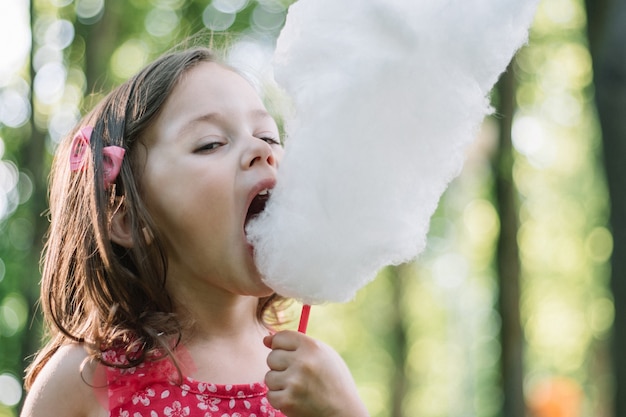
(275, 381)
(280, 400)
(279, 360)
(267, 340)
(286, 340)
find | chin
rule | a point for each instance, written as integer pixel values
(257, 278)
(264, 290)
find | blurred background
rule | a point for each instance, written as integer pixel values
(514, 309)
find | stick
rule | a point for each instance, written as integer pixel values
(304, 318)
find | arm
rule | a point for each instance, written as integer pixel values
(309, 379)
(60, 388)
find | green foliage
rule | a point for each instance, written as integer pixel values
(429, 329)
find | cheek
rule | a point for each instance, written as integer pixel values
(278, 154)
(164, 194)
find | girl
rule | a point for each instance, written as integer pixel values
(152, 299)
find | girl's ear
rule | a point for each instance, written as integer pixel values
(120, 229)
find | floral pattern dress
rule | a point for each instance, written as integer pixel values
(154, 389)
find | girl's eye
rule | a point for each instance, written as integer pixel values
(270, 140)
(208, 147)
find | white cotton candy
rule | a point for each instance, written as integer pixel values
(388, 94)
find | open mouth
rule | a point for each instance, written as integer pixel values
(257, 205)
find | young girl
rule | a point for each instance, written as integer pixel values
(152, 299)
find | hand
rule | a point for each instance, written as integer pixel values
(309, 379)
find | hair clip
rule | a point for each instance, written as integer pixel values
(112, 155)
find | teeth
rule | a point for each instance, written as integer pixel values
(264, 192)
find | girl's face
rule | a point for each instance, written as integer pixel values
(212, 150)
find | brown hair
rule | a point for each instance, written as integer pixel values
(94, 291)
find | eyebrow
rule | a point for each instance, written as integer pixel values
(217, 116)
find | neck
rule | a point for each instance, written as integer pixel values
(224, 320)
(224, 339)
(210, 313)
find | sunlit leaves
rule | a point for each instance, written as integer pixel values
(129, 58)
(15, 36)
(563, 239)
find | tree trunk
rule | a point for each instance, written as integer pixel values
(101, 40)
(607, 34)
(399, 337)
(507, 263)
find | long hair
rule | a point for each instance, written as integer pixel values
(93, 291)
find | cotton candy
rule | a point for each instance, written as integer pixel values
(387, 96)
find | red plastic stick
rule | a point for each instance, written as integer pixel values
(304, 318)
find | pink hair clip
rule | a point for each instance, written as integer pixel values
(113, 155)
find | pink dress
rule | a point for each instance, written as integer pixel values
(154, 389)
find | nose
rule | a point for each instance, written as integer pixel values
(258, 151)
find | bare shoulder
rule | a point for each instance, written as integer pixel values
(66, 386)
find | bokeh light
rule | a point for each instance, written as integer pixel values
(89, 11)
(253, 57)
(161, 22)
(46, 54)
(564, 13)
(10, 390)
(601, 313)
(14, 309)
(9, 176)
(3, 269)
(531, 139)
(217, 20)
(49, 82)
(481, 220)
(25, 188)
(275, 5)
(62, 121)
(450, 270)
(265, 19)
(129, 58)
(15, 35)
(14, 108)
(551, 396)
(21, 233)
(61, 3)
(59, 34)
(229, 6)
